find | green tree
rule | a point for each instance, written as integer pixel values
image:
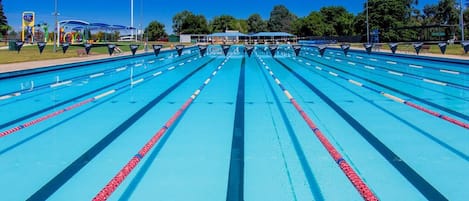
(281, 19)
(186, 22)
(312, 25)
(240, 25)
(179, 19)
(256, 24)
(3, 21)
(430, 12)
(447, 12)
(195, 24)
(222, 23)
(386, 16)
(339, 18)
(155, 31)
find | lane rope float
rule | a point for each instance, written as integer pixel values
(353, 177)
(115, 182)
(84, 102)
(397, 99)
(74, 79)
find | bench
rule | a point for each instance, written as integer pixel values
(81, 52)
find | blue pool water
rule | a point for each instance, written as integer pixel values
(241, 138)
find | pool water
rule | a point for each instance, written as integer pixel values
(241, 138)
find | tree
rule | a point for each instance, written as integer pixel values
(222, 23)
(186, 22)
(256, 24)
(312, 25)
(240, 25)
(281, 19)
(155, 31)
(178, 21)
(447, 12)
(339, 18)
(386, 16)
(195, 24)
(3, 21)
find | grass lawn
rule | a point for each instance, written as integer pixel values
(31, 53)
(450, 49)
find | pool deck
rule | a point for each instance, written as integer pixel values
(4, 68)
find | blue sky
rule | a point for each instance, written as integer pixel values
(118, 11)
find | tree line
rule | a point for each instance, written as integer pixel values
(394, 19)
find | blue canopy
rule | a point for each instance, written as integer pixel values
(272, 34)
(227, 34)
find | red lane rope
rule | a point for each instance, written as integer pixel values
(395, 98)
(76, 105)
(45, 117)
(114, 183)
(356, 181)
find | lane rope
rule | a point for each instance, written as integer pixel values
(93, 75)
(353, 177)
(115, 182)
(397, 99)
(79, 104)
(413, 76)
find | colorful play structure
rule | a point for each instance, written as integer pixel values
(27, 26)
(70, 31)
(79, 31)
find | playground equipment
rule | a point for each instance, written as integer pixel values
(27, 26)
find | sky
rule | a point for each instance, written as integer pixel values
(145, 11)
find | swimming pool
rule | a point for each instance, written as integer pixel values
(67, 133)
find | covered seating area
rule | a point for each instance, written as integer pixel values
(257, 38)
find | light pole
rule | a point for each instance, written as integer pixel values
(56, 35)
(461, 19)
(367, 25)
(132, 19)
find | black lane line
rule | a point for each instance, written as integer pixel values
(55, 183)
(422, 132)
(314, 187)
(2, 126)
(427, 190)
(384, 70)
(76, 78)
(236, 174)
(407, 82)
(458, 114)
